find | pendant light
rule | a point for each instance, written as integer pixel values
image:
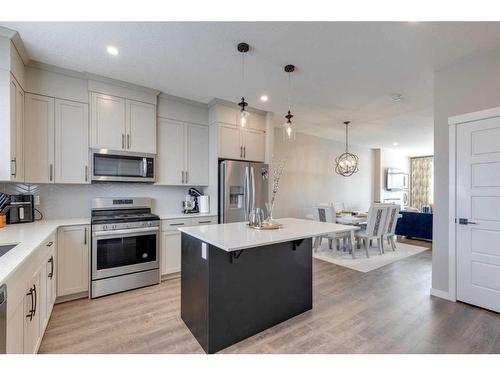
(346, 163)
(243, 116)
(288, 126)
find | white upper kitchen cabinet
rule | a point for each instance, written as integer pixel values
(171, 155)
(141, 127)
(182, 154)
(39, 139)
(71, 142)
(197, 155)
(16, 130)
(254, 145)
(107, 121)
(230, 145)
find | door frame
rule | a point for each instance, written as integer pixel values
(453, 123)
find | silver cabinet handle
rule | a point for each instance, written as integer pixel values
(50, 171)
(128, 141)
(86, 173)
(187, 177)
(241, 151)
(244, 152)
(123, 140)
(85, 236)
(182, 178)
(13, 167)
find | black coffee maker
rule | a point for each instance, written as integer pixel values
(22, 209)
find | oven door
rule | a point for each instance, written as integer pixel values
(124, 251)
(122, 166)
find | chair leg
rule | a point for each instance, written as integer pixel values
(330, 242)
(380, 246)
(352, 244)
(393, 243)
(380, 242)
(365, 241)
(316, 244)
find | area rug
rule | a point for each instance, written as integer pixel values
(363, 264)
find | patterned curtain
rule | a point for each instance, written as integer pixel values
(421, 187)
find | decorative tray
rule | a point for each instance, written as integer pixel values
(267, 226)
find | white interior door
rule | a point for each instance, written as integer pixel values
(478, 213)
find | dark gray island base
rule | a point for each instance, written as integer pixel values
(227, 296)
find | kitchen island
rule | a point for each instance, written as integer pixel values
(237, 281)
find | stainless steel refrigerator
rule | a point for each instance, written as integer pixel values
(242, 186)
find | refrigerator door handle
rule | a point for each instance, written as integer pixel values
(246, 192)
(252, 195)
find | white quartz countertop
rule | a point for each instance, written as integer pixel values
(28, 236)
(186, 216)
(238, 236)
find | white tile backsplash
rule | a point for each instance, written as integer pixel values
(73, 201)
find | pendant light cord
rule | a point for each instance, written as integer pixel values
(346, 137)
(243, 72)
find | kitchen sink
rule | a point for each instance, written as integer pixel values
(6, 248)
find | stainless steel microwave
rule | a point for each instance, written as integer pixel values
(122, 166)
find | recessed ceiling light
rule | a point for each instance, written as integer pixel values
(113, 51)
(395, 144)
(264, 98)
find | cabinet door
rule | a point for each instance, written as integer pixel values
(72, 260)
(50, 280)
(32, 315)
(197, 155)
(72, 142)
(16, 131)
(171, 252)
(107, 121)
(254, 145)
(15, 329)
(230, 145)
(141, 127)
(39, 139)
(171, 152)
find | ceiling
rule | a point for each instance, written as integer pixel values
(345, 70)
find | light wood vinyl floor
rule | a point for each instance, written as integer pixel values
(388, 310)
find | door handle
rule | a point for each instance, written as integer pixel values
(51, 273)
(13, 167)
(465, 221)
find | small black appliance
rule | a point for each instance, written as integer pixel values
(22, 209)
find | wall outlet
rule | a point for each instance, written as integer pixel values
(36, 200)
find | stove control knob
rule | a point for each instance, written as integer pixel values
(150, 224)
(104, 227)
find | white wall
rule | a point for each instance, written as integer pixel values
(468, 86)
(310, 177)
(384, 159)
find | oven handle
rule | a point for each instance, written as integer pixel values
(102, 233)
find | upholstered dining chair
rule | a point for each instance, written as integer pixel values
(326, 214)
(390, 226)
(375, 227)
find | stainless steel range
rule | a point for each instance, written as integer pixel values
(125, 245)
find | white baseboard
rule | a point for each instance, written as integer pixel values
(442, 294)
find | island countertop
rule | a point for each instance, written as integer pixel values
(238, 236)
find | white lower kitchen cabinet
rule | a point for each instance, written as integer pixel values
(30, 300)
(171, 252)
(73, 255)
(170, 255)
